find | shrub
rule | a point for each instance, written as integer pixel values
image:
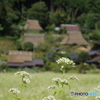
(3, 67)
(18, 46)
(28, 46)
(3, 57)
(54, 67)
(62, 31)
(83, 56)
(6, 46)
(85, 68)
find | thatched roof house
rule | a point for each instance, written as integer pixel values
(74, 36)
(19, 56)
(34, 38)
(23, 59)
(33, 25)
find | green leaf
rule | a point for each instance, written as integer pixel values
(57, 91)
(23, 84)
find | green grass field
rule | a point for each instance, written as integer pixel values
(37, 89)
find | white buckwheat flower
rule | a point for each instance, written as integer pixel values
(59, 80)
(97, 89)
(65, 60)
(14, 90)
(73, 78)
(22, 73)
(62, 67)
(26, 80)
(98, 86)
(63, 81)
(51, 87)
(97, 97)
(56, 79)
(49, 98)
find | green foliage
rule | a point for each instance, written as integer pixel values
(42, 47)
(95, 39)
(1, 28)
(11, 16)
(3, 57)
(95, 36)
(3, 22)
(62, 31)
(58, 18)
(6, 46)
(39, 11)
(85, 68)
(15, 12)
(98, 25)
(28, 46)
(3, 67)
(52, 66)
(90, 21)
(83, 56)
(18, 46)
(81, 19)
(50, 27)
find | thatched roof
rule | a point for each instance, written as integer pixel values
(82, 49)
(34, 38)
(64, 40)
(74, 37)
(33, 25)
(70, 27)
(19, 56)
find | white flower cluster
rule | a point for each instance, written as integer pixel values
(25, 76)
(62, 67)
(49, 98)
(56, 79)
(22, 73)
(97, 88)
(65, 60)
(64, 81)
(26, 80)
(97, 97)
(73, 78)
(51, 87)
(59, 80)
(14, 91)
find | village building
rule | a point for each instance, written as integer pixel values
(95, 58)
(34, 38)
(74, 35)
(23, 59)
(33, 25)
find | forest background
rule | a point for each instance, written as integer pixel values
(50, 14)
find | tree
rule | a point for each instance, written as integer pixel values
(39, 11)
(73, 8)
(28, 46)
(83, 56)
(59, 17)
(90, 21)
(3, 22)
(95, 37)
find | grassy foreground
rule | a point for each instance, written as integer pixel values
(37, 89)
